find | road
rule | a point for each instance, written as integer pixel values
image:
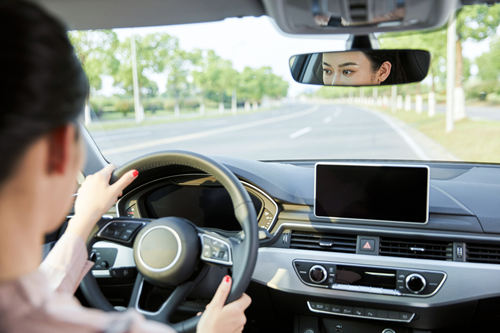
(293, 131)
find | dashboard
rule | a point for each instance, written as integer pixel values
(441, 273)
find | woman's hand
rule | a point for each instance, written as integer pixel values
(95, 198)
(220, 318)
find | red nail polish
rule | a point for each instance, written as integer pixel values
(135, 173)
(227, 278)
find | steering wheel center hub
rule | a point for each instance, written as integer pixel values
(166, 250)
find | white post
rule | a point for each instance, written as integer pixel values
(177, 111)
(394, 93)
(233, 102)
(418, 104)
(399, 104)
(88, 118)
(247, 106)
(202, 108)
(139, 112)
(432, 104)
(407, 103)
(450, 73)
(221, 107)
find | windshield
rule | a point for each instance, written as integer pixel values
(225, 89)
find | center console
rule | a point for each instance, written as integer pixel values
(369, 279)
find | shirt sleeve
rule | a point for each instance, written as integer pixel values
(66, 264)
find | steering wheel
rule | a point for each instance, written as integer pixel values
(167, 250)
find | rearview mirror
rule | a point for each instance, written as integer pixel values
(360, 67)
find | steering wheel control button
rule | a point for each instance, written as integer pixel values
(119, 231)
(358, 312)
(103, 258)
(215, 250)
(318, 274)
(415, 283)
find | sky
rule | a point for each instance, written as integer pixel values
(254, 42)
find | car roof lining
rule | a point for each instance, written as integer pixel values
(109, 14)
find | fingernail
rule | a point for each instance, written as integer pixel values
(135, 173)
(227, 278)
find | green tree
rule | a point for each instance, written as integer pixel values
(96, 51)
(153, 53)
(215, 76)
(475, 22)
(488, 63)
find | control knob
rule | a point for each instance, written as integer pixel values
(415, 283)
(318, 274)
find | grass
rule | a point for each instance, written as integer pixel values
(118, 121)
(470, 140)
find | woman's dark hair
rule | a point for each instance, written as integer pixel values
(42, 83)
(378, 57)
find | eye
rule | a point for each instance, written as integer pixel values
(347, 72)
(327, 71)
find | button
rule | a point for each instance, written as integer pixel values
(331, 280)
(331, 269)
(393, 315)
(124, 237)
(347, 310)
(405, 316)
(371, 313)
(359, 312)
(382, 314)
(367, 245)
(327, 307)
(320, 306)
(388, 330)
(335, 308)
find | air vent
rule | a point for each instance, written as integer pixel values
(484, 253)
(419, 249)
(323, 242)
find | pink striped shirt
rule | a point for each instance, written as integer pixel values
(43, 301)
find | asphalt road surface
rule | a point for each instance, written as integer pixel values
(293, 131)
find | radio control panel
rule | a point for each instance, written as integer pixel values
(369, 279)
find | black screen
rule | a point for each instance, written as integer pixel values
(205, 206)
(391, 193)
(359, 276)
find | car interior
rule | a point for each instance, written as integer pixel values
(319, 245)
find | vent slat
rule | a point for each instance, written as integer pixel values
(483, 253)
(418, 249)
(321, 242)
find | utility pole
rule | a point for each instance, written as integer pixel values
(450, 72)
(139, 111)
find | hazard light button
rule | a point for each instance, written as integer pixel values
(367, 245)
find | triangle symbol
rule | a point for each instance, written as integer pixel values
(367, 246)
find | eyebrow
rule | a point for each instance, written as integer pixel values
(342, 65)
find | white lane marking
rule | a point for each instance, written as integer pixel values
(179, 138)
(300, 132)
(337, 113)
(327, 120)
(409, 141)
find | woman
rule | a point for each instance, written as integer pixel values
(356, 68)
(43, 91)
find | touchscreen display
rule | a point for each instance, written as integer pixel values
(387, 193)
